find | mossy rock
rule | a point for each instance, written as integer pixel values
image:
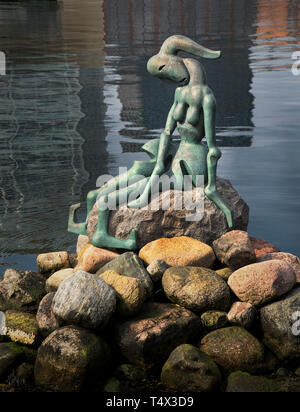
(26, 354)
(213, 319)
(243, 382)
(190, 370)
(69, 358)
(23, 293)
(234, 348)
(22, 327)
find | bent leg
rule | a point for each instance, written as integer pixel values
(101, 236)
(111, 186)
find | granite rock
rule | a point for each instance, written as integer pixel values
(152, 224)
(234, 249)
(197, 289)
(84, 300)
(262, 282)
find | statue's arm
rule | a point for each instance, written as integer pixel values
(214, 154)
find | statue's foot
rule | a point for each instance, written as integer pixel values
(78, 228)
(214, 196)
(101, 239)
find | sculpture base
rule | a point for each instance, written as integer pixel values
(153, 223)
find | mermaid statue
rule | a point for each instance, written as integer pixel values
(193, 114)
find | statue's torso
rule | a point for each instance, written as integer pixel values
(188, 112)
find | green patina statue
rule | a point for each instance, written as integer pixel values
(193, 114)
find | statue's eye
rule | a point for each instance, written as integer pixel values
(161, 67)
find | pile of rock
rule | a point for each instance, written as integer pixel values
(180, 315)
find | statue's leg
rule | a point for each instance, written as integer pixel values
(111, 186)
(101, 236)
(214, 154)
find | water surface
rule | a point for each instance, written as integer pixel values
(77, 103)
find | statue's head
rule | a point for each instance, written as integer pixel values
(167, 65)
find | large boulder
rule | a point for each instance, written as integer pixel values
(189, 369)
(152, 224)
(131, 294)
(21, 291)
(234, 349)
(234, 249)
(69, 358)
(197, 289)
(292, 260)
(179, 251)
(280, 322)
(129, 264)
(148, 339)
(262, 282)
(84, 300)
(45, 317)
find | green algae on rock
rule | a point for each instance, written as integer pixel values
(189, 369)
(69, 358)
(22, 327)
(197, 289)
(214, 319)
(22, 293)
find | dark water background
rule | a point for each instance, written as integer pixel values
(77, 102)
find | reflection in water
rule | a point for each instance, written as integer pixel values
(77, 102)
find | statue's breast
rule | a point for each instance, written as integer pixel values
(180, 112)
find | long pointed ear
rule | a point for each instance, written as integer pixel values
(177, 43)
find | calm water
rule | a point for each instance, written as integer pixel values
(77, 102)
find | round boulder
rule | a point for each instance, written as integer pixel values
(178, 251)
(197, 289)
(292, 260)
(234, 349)
(189, 369)
(262, 282)
(84, 300)
(70, 357)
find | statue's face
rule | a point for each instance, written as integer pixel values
(168, 68)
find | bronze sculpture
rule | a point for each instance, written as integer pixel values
(193, 114)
